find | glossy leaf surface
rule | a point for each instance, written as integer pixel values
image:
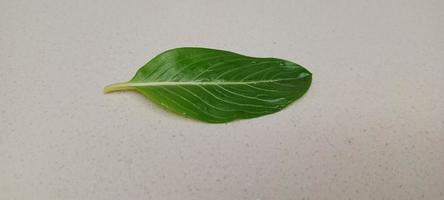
(218, 86)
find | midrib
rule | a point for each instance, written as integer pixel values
(205, 82)
(132, 85)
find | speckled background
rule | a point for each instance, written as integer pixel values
(371, 126)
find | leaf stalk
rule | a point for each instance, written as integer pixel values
(118, 87)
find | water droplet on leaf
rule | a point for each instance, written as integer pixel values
(203, 107)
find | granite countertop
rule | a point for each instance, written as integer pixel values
(370, 127)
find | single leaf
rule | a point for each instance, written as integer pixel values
(218, 86)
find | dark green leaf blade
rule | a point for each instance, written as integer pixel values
(218, 86)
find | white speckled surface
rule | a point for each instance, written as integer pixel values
(371, 127)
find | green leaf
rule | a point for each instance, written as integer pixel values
(218, 86)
